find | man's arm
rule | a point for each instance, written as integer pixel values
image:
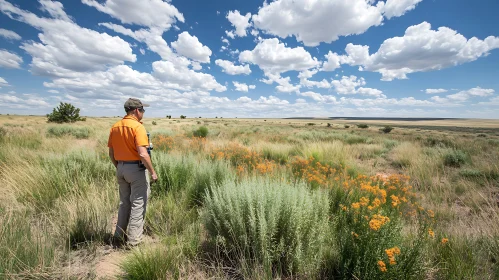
(111, 156)
(146, 160)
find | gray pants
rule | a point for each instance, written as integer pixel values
(134, 191)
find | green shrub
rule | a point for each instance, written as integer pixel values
(471, 173)
(386, 129)
(362, 125)
(65, 113)
(154, 123)
(355, 139)
(389, 144)
(77, 132)
(269, 225)
(347, 126)
(455, 158)
(310, 123)
(201, 132)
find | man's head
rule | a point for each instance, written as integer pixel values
(134, 106)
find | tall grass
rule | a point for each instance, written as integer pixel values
(26, 247)
(41, 185)
(269, 225)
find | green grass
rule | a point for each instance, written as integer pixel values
(26, 246)
(153, 263)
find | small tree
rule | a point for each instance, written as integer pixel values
(168, 116)
(65, 113)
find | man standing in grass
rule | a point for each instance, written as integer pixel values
(128, 144)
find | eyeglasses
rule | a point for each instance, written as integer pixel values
(142, 110)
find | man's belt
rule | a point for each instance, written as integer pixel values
(129, 162)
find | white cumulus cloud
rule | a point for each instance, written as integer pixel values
(189, 46)
(66, 47)
(354, 85)
(313, 22)
(185, 78)
(231, 69)
(274, 57)
(151, 13)
(240, 22)
(242, 86)
(396, 8)
(421, 49)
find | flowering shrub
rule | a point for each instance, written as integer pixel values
(369, 219)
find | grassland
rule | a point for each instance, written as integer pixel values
(256, 199)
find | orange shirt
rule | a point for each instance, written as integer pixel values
(124, 138)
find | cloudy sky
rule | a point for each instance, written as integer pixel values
(248, 58)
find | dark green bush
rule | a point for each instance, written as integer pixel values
(386, 129)
(154, 123)
(347, 126)
(455, 158)
(65, 113)
(201, 132)
(362, 125)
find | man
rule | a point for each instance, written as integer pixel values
(128, 144)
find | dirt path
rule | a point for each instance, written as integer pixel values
(108, 265)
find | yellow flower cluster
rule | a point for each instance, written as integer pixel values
(391, 253)
(377, 221)
(382, 266)
(445, 240)
(431, 233)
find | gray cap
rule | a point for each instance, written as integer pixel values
(133, 103)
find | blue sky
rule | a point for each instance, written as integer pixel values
(283, 58)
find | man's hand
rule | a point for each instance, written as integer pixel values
(154, 178)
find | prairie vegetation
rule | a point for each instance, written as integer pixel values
(256, 199)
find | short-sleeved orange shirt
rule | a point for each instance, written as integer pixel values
(124, 138)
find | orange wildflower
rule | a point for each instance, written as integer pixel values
(378, 221)
(382, 266)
